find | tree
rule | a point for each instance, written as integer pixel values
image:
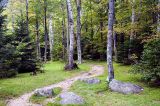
(149, 65)
(45, 30)
(79, 52)
(8, 56)
(71, 65)
(51, 37)
(37, 25)
(110, 40)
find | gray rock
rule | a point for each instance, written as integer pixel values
(91, 80)
(70, 98)
(44, 92)
(125, 88)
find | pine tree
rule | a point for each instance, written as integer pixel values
(26, 49)
(7, 51)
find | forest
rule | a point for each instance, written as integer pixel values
(79, 52)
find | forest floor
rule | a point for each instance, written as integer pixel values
(94, 95)
(24, 100)
(24, 83)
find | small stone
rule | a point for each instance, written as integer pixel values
(70, 98)
(91, 80)
(125, 88)
(44, 92)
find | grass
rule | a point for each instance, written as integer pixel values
(100, 95)
(94, 95)
(23, 83)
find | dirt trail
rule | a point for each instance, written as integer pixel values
(65, 85)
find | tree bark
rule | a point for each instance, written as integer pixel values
(67, 35)
(3, 3)
(63, 32)
(27, 18)
(79, 52)
(45, 30)
(51, 38)
(38, 40)
(71, 33)
(110, 40)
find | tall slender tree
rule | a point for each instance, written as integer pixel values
(70, 65)
(51, 37)
(63, 32)
(37, 24)
(45, 30)
(110, 40)
(79, 52)
(132, 36)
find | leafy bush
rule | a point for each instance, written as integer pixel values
(149, 65)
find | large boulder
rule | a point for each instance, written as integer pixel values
(91, 80)
(46, 92)
(125, 88)
(70, 98)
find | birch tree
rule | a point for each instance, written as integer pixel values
(71, 35)
(79, 52)
(51, 37)
(110, 40)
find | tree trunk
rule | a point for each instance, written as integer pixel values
(27, 18)
(92, 32)
(38, 40)
(110, 40)
(51, 37)
(79, 52)
(67, 35)
(3, 3)
(63, 32)
(71, 33)
(45, 30)
(132, 36)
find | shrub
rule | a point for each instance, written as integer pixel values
(149, 65)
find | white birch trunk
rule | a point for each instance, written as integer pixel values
(71, 33)
(110, 40)
(51, 37)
